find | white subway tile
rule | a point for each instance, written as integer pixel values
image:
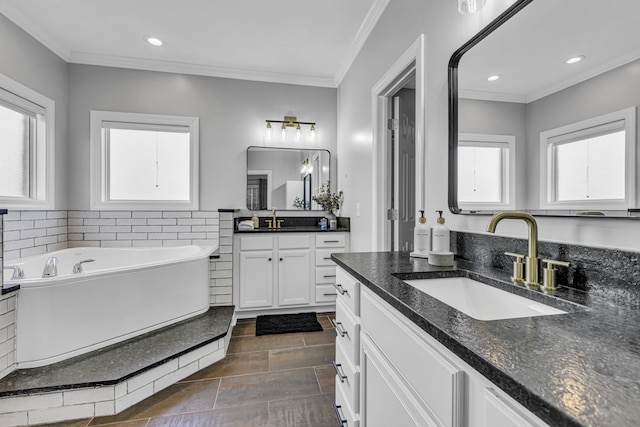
(99, 236)
(39, 241)
(4, 365)
(115, 214)
(227, 282)
(132, 236)
(25, 403)
(162, 221)
(205, 228)
(214, 357)
(135, 221)
(63, 222)
(36, 250)
(176, 228)
(212, 221)
(176, 214)
(17, 225)
(83, 214)
(7, 346)
(14, 419)
(18, 244)
(115, 229)
(11, 235)
(88, 395)
(205, 214)
(4, 307)
(226, 241)
(83, 229)
(146, 243)
(57, 246)
(10, 255)
(133, 398)
(11, 303)
(12, 216)
(105, 408)
(7, 319)
(33, 215)
(75, 221)
(226, 232)
(221, 274)
(224, 265)
(163, 236)
(56, 214)
(116, 244)
(45, 223)
(107, 221)
(56, 231)
(192, 221)
(198, 353)
(61, 414)
(33, 232)
(192, 235)
(174, 243)
(75, 236)
(174, 377)
(84, 244)
(205, 242)
(224, 299)
(146, 229)
(152, 375)
(146, 214)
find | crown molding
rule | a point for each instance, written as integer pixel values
(491, 96)
(362, 35)
(200, 70)
(18, 18)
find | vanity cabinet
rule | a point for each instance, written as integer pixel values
(408, 378)
(279, 271)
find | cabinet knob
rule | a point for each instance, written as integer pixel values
(280, 258)
(269, 259)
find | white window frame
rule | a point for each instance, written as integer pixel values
(42, 160)
(547, 171)
(99, 158)
(508, 168)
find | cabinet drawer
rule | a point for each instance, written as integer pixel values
(348, 290)
(348, 376)
(346, 416)
(348, 332)
(438, 383)
(323, 256)
(326, 293)
(330, 240)
(254, 243)
(325, 275)
(293, 242)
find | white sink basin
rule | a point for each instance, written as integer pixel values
(481, 301)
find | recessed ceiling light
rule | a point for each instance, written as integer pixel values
(575, 59)
(154, 41)
(494, 77)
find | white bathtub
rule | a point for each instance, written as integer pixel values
(124, 293)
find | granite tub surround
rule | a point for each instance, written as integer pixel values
(576, 369)
(295, 224)
(109, 380)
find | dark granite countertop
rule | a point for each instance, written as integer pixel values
(576, 369)
(301, 229)
(3, 211)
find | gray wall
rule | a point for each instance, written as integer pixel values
(232, 117)
(28, 62)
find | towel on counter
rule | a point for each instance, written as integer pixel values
(245, 225)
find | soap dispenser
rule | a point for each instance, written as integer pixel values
(421, 238)
(255, 220)
(440, 235)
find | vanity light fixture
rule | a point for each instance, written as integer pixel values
(291, 122)
(154, 41)
(467, 7)
(494, 77)
(575, 59)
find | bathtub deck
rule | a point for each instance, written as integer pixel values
(119, 362)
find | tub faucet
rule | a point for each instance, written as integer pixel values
(77, 267)
(18, 273)
(50, 267)
(531, 261)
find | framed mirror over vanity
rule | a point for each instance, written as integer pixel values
(285, 178)
(543, 111)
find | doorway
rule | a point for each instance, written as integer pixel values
(399, 150)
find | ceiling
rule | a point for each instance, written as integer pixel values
(529, 51)
(284, 41)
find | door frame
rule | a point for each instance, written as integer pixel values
(381, 93)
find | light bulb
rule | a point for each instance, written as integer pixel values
(267, 134)
(283, 131)
(312, 132)
(467, 7)
(298, 132)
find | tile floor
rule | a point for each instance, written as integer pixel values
(267, 381)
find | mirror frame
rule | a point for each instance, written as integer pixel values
(453, 99)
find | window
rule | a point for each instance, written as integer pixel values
(486, 178)
(143, 161)
(26, 147)
(590, 164)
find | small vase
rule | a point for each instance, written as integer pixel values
(331, 218)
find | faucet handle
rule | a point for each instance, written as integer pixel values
(518, 266)
(549, 272)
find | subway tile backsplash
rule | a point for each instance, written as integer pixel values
(28, 233)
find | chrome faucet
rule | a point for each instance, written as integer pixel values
(18, 272)
(50, 267)
(531, 261)
(77, 267)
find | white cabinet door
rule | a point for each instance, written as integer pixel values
(256, 279)
(385, 401)
(294, 282)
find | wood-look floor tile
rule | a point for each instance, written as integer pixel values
(244, 329)
(72, 423)
(175, 399)
(265, 342)
(135, 423)
(241, 416)
(301, 357)
(258, 388)
(315, 411)
(320, 337)
(326, 375)
(235, 364)
(325, 322)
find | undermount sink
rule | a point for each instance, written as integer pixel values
(481, 301)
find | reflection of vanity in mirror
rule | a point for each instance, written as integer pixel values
(285, 178)
(544, 135)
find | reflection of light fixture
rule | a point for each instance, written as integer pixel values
(291, 121)
(306, 168)
(575, 59)
(494, 77)
(467, 7)
(154, 41)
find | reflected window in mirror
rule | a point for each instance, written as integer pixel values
(485, 171)
(590, 164)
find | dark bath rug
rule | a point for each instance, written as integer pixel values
(286, 323)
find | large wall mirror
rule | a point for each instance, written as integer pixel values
(543, 111)
(285, 178)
